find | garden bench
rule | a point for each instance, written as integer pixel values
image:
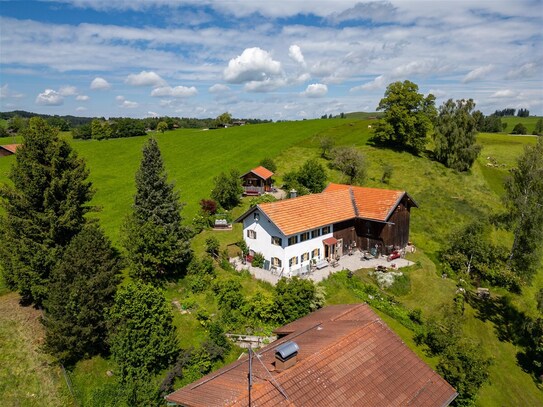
(321, 264)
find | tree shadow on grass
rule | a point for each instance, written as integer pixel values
(507, 320)
(511, 325)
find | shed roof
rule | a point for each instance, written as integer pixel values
(12, 148)
(261, 172)
(347, 356)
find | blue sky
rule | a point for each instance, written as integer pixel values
(281, 59)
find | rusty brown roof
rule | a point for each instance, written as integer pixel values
(12, 148)
(348, 357)
(261, 172)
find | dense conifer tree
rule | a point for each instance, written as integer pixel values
(81, 291)
(142, 337)
(44, 209)
(156, 242)
(454, 135)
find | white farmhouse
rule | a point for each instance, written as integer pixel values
(293, 233)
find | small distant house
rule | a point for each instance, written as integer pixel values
(238, 123)
(340, 355)
(292, 233)
(257, 181)
(8, 149)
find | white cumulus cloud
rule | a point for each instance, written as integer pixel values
(68, 90)
(6, 93)
(478, 73)
(218, 88)
(127, 104)
(99, 84)
(49, 97)
(176, 92)
(254, 64)
(316, 90)
(80, 109)
(145, 78)
(377, 83)
(152, 114)
(295, 53)
(82, 98)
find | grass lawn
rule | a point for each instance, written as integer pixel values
(528, 122)
(27, 377)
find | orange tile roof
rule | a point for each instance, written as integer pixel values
(309, 211)
(371, 203)
(262, 172)
(12, 148)
(347, 356)
(336, 203)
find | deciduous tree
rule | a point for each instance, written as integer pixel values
(81, 291)
(524, 201)
(44, 209)
(156, 242)
(227, 191)
(407, 118)
(350, 162)
(162, 126)
(454, 135)
(269, 164)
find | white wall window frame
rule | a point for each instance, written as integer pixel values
(276, 241)
(251, 234)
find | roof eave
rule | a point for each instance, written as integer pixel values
(393, 208)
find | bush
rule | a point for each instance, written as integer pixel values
(258, 260)
(269, 164)
(519, 129)
(387, 173)
(212, 246)
(208, 206)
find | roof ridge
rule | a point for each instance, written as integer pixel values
(353, 202)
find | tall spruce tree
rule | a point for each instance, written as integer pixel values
(524, 200)
(43, 209)
(454, 135)
(156, 242)
(81, 291)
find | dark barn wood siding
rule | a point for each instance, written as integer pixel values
(396, 233)
(368, 233)
(346, 231)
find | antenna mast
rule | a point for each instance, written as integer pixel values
(250, 374)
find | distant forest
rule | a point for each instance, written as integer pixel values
(68, 122)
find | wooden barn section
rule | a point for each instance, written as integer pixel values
(8, 149)
(257, 181)
(382, 219)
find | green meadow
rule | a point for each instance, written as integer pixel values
(447, 200)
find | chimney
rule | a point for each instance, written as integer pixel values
(293, 193)
(285, 356)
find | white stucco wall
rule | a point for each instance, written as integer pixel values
(265, 229)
